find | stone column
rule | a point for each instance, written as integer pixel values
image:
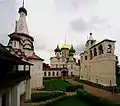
(15, 96)
(0, 100)
(9, 98)
(27, 90)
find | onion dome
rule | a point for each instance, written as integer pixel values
(57, 49)
(72, 50)
(70, 54)
(22, 9)
(65, 46)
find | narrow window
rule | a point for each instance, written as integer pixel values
(49, 73)
(109, 49)
(95, 52)
(14, 44)
(100, 49)
(53, 73)
(45, 73)
(57, 73)
(90, 54)
(85, 57)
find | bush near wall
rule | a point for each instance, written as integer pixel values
(73, 88)
(94, 100)
(55, 84)
(39, 97)
(98, 85)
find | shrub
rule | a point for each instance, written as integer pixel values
(94, 100)
(98, 85)
(73, 88)
(38, 97)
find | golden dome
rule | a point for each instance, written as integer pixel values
(65, 46)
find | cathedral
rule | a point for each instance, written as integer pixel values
(63, 63)
(21, 45)
(98, 62)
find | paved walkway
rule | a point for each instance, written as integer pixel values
(97, 91)
(37, 91)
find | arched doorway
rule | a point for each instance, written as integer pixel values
(64, 73)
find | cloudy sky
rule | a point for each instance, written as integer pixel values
(49, 21)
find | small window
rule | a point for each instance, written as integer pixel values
(57, 73)
(53, 73)
(109, 49)
(81, 76)
(71, 65)
(14, 44)
(90, 54)
(45, 73)
(100, 49)
(85, 57)
(49, 73)
(95, 52)
(63, 65)
(56, 65)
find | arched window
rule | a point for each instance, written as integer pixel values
(90, 54)
(15, 44)
(109, 49)
(53, 73)
(100, 49)
(95, 52)
(56, 65)
(57, 73)
(49, 73)
(85, 57)
(45, 73)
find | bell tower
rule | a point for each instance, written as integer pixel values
(90, 42)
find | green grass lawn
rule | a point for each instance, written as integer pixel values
(118, 81)
(55, 84)
(42, 96)
(69, 101)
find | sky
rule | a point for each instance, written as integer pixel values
(51, 21)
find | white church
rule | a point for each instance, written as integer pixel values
(21, 45)
(63, 63)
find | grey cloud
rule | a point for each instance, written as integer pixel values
(79, 48)
(51, 51)
(7, 18)
(80, 25)
(95, 22)
(68, 5)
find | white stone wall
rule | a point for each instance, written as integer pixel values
(36, 73)
(51, 73)
(101, 68)
(22, 87)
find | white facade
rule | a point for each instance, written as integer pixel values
(98, 63)
(63, 61)
(11, 97)
(21, 45)
(36, 74)
(52, 73)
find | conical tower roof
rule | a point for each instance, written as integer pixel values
(22, 24)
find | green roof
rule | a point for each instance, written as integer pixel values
(72, 50)
(57, 49)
